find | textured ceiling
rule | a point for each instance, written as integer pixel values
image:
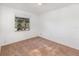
(35, 8)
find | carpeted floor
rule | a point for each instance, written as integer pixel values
(38, 47)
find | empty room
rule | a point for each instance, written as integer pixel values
(39, 29)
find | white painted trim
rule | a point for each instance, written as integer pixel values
(60, 42)
(18, 40)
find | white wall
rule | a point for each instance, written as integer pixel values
(62, 26)
(7, 28)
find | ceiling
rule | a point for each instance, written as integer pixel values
(35, 8)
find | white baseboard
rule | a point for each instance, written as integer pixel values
(46, 37)
(57, 41)
(7, 43)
